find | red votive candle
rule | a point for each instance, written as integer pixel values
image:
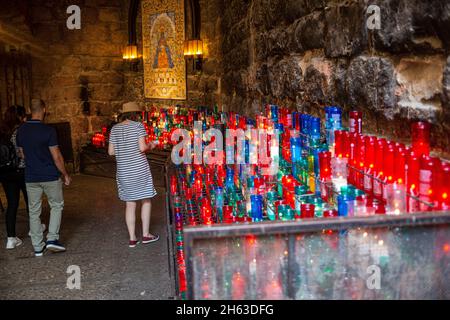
(360, 160)
(189, 193)
(429, 168)
(227, 214)
(307, 210)
(325, 165)
(412, 172)
(369, 160)
(355, 121)
(379, 168)
(339, 143)
(331, 213)
(400, 164)
(444, 186)
(412, 180)
(421, 138)
(173, 185)
(389, 159)
(352, 157)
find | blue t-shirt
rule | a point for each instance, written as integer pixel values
(35, 138)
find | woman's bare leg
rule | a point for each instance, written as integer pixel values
(130, 216)
(145, 216)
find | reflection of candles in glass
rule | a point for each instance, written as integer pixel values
(273, 290)
(205, 286)
(237, 287)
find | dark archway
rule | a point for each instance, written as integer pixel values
(193, 19)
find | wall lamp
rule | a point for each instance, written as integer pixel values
(193, 50)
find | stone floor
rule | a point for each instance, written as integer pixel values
(95, 234)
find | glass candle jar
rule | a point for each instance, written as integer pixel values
(420, 133)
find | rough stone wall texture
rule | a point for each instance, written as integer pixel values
(78, 73)
(298, 53)
(79, 68)
(310, 53)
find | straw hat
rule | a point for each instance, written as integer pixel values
(130, 107)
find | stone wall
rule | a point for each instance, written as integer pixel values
(298, 53)
(78, 73)
(310, 53)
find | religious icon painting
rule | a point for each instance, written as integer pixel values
(163, 39)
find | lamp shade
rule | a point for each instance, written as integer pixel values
(193, 47)
(130, 52)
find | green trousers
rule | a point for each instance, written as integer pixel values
(54, 192)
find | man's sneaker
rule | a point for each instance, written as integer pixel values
(13, 243)
(39, 253)
(133, 243)
(55, 246)
(43, 230)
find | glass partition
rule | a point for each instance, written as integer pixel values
(378, 257)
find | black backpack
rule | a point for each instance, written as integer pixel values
(8, 156)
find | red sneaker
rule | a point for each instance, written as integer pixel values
(133, 243)
(147, 240)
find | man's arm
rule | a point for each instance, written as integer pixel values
(59, 162)
(20, 153)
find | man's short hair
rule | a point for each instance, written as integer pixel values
(37, 105)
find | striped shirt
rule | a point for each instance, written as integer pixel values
(134, 179)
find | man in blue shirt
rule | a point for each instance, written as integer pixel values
(44, 164)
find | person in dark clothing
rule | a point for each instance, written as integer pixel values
(45, 172)
(12, 176)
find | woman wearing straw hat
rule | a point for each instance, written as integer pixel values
(134, 179)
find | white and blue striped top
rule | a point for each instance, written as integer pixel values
(134, 179)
